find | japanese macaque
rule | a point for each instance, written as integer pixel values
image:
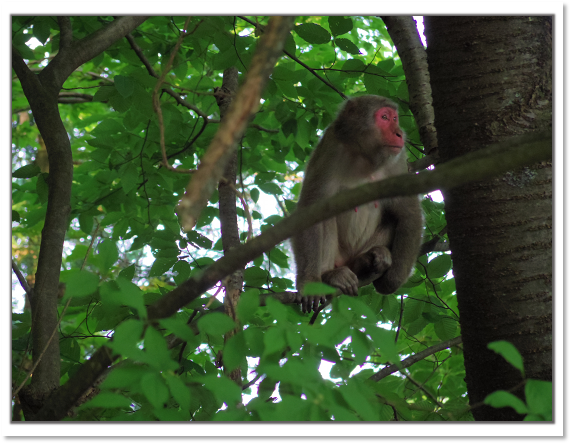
(364, 144)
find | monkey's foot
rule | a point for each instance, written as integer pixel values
(343, 279)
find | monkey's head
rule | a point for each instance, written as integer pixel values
(369, 126)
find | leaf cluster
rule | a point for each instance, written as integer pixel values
(124, 247)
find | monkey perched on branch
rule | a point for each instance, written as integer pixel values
(364, 144)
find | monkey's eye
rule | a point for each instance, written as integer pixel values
(385, 117)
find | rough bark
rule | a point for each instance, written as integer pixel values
(42, 92)
(491, 79)
(229, 217)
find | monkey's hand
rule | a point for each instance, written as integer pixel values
(309, 303)
(343, 279)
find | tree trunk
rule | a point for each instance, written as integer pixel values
(229, 217)
(491, 79)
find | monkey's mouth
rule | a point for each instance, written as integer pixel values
(395, 149)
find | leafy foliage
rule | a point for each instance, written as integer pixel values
(125, 248)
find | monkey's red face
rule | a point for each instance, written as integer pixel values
(387, 120)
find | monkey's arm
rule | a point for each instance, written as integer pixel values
(407, 221)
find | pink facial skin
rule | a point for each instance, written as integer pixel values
(387, 120)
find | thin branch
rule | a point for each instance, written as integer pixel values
(157, 104)
(21, 279)
(295, 59)
(405, 363)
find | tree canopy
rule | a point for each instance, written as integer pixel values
(368, 358)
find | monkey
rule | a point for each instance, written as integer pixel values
(363, 144)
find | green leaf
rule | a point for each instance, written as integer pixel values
(290, 127)
(128, 376)
(131, 296)
(280, 72)
(277, 310)
(27, 171)
(361, 346)
(508, 351)
(155, 389)
(353, 65)
(111, 218)
(126, 338)
(255, 276)
(15, 216)
(162, 265)
(278, 257)
(222, 388)
(446, 328)
(69, 349)
(107, 256)
(124, 85)
(357, 401)
(108, 400)
(375, 84)
(235, 351)
(439, 266)
(108, 127)
(181, 329)
(158, 355)
(384, 340)
(255, 194)
(255, 341)
(179, 390)
(128, 273)
(215, 324)
(348, 46)
(274, 341)
(501, 398)
(129, 178)
(182, 270)
(36, 216)
(313, 33)
(80, 283)
(340, 25)
(271, 188)
(86, 222)
(317, 289)
(539, 398)
(199, 239)
(248, 304)
(42, 29)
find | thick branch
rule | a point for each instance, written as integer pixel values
(475, 166)
(404, 34)
(42, 94)
(76, 53)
